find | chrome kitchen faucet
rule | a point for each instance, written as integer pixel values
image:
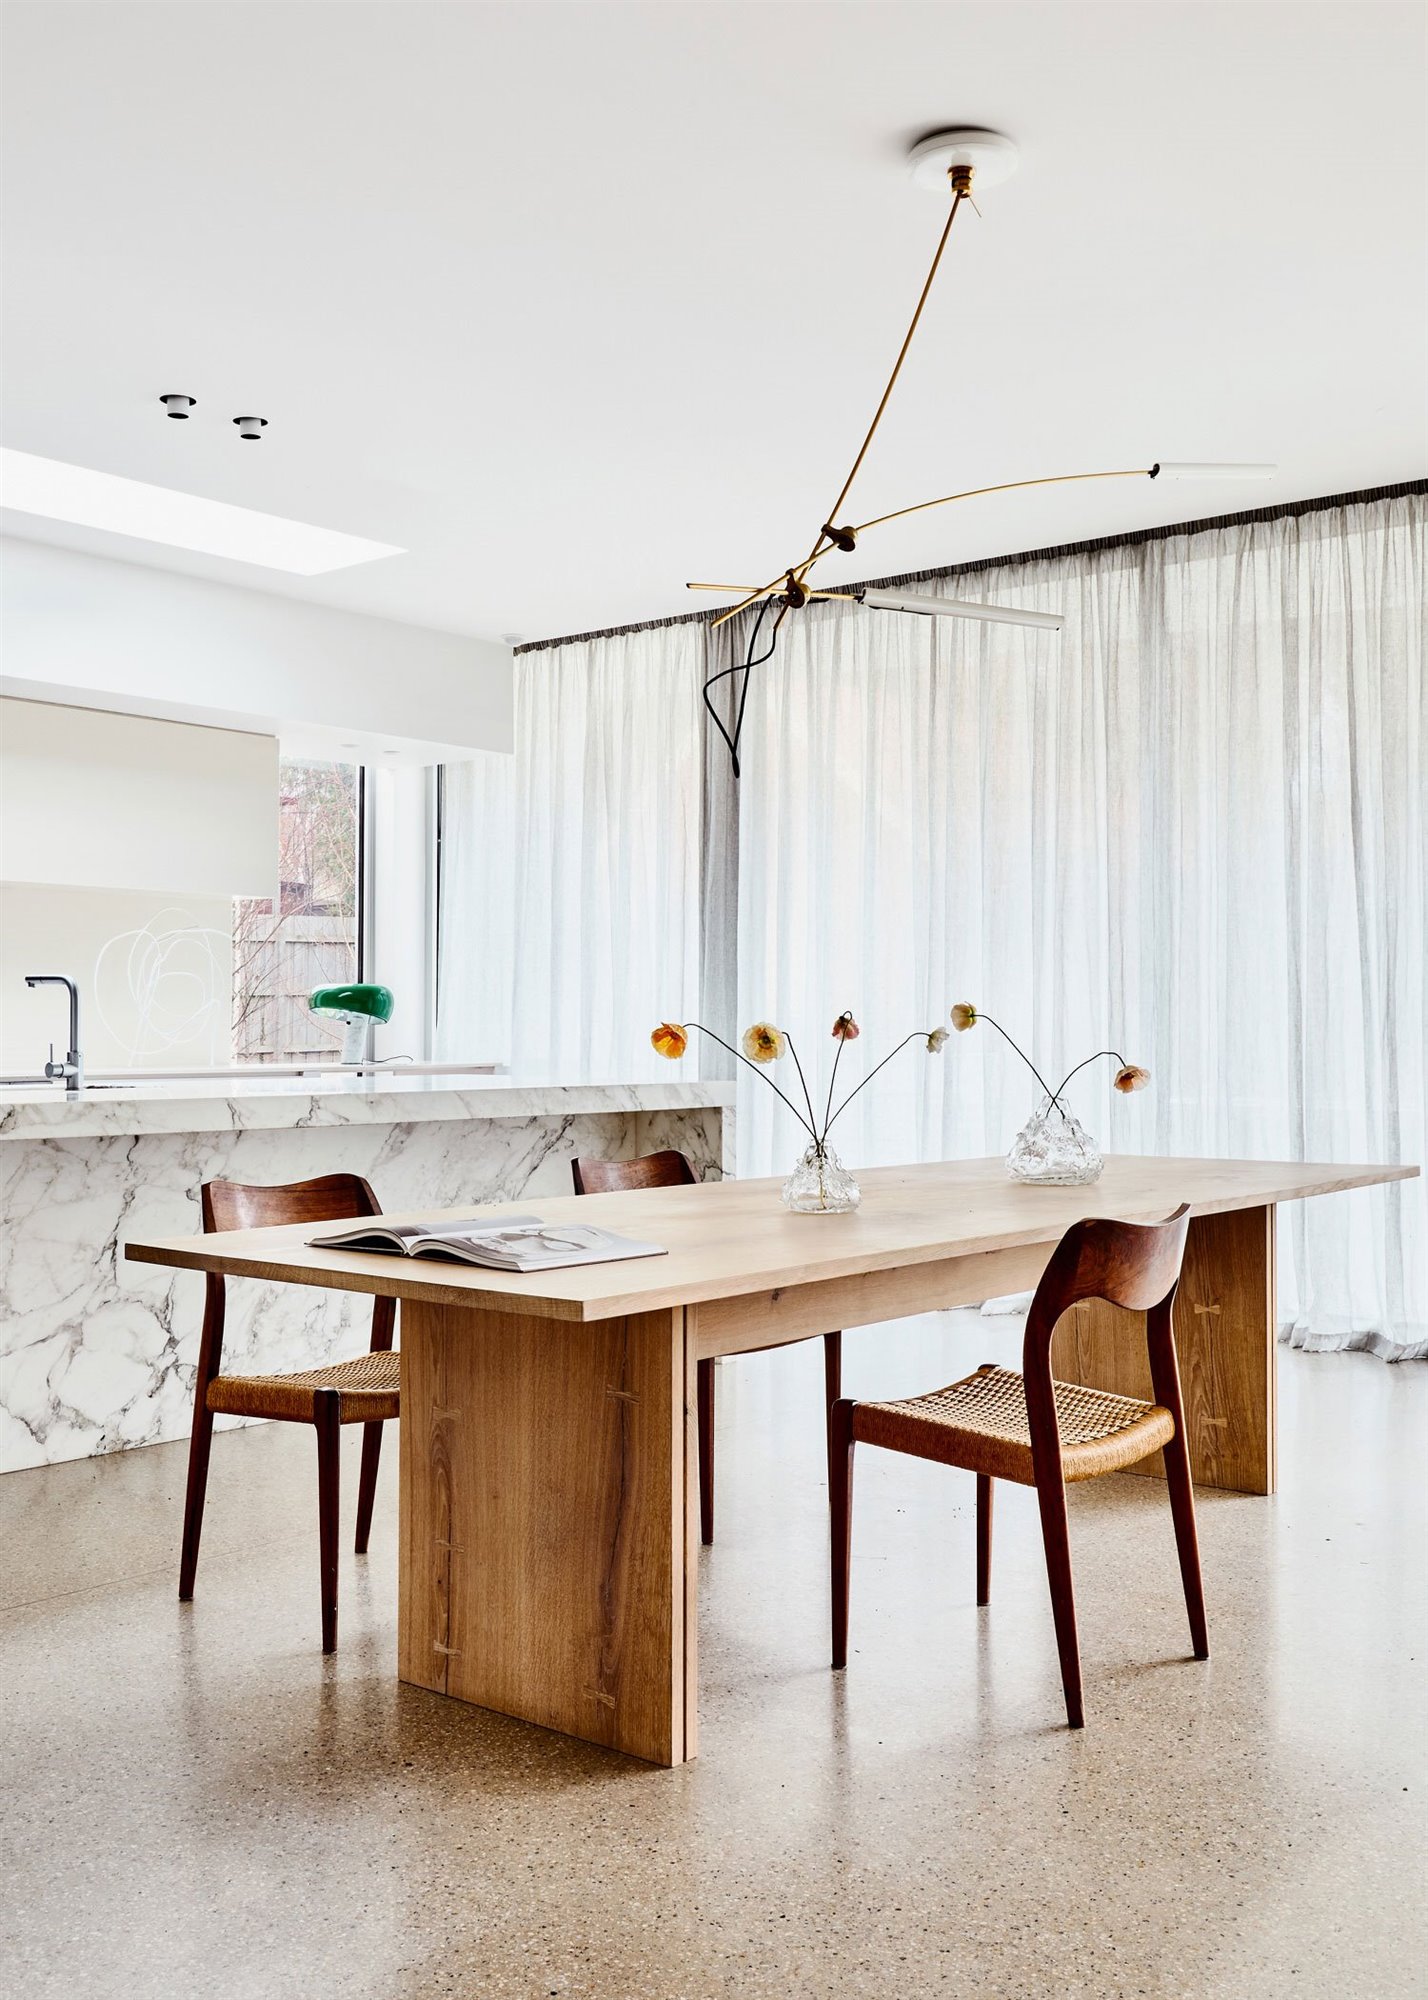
(72, 1068)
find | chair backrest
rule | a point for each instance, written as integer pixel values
(231, 1205)
(668, 1169)
(331, 1198)
(1133, 1264)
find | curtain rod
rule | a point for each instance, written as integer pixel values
(1138, 536)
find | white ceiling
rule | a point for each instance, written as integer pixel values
(576, 301)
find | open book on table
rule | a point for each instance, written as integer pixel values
(507, 1243)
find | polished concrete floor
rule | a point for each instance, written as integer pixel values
(196, 1803)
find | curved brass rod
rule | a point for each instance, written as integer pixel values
(844, 596)
(976, 493)
(971, 493)
(753, 598)
(819, 548)
(836, 508)
(1007, 486)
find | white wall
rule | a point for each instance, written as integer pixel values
(155, 977)
(82, 628)
(102, 801)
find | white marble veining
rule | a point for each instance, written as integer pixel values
(97, 1354)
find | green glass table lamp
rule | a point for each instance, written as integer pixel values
(357, 1007)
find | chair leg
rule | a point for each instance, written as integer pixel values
(705, 1390)
(1051, 1496)
(1187, 1542)
(832, 1386)
(327, 1421)
(1165, 1375)
(840, 1509)
(198, 1448)
(984, 1538)
(367, 1483)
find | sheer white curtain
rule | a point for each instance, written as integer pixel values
(605, 851)
(475, 962)
(1192, 827)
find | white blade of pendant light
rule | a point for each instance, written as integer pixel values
(953, 607)
(1166, 470)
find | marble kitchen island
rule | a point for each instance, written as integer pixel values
(97, 1354)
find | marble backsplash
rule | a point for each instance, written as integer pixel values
(97, 1354)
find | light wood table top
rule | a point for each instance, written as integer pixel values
(728, 1239)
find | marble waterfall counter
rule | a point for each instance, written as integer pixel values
(97, 1354)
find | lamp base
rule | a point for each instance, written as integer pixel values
(357, 1038)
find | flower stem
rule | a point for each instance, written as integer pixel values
(871, 1074)
(828, 1107)
(818, 1137)
(1083, 1065)
(1055, 1096)
(762, 1074)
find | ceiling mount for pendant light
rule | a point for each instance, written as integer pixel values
(952, 161)
(989, 156)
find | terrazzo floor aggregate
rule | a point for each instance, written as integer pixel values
(195, 1803)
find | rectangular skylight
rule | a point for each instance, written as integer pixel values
(89, 499)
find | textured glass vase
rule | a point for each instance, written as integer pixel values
(1053, 1150)
(821, 1185)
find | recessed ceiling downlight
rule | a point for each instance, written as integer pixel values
(76, 493)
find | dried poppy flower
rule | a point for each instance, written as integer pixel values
(846, 1029)
(935, 1041)
(1132, 1077)
(670, 1040)
(763, 1042)
(964, 1016)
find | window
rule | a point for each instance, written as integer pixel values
(475, 908)
(313, 937)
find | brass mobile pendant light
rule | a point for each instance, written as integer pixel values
(953, 159)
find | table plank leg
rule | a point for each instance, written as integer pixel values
(1225, 1338)
(544, 1521)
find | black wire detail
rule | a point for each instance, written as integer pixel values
(746, 667)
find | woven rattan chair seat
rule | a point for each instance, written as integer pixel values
(370, 1387)
(981, 1424)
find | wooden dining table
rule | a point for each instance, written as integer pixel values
(549, 1528)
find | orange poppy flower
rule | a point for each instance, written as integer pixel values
(670, 1040)
(1132, 1077)
(846, 1029)
(964, 1016)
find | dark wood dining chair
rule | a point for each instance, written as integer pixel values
(364, 1391)
(671, 1169)
(1041, 1433)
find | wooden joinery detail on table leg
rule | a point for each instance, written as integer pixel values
(1225, 1340)
(545, 1542)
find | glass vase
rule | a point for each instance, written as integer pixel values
(821, 1185)
(1053, 1150)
